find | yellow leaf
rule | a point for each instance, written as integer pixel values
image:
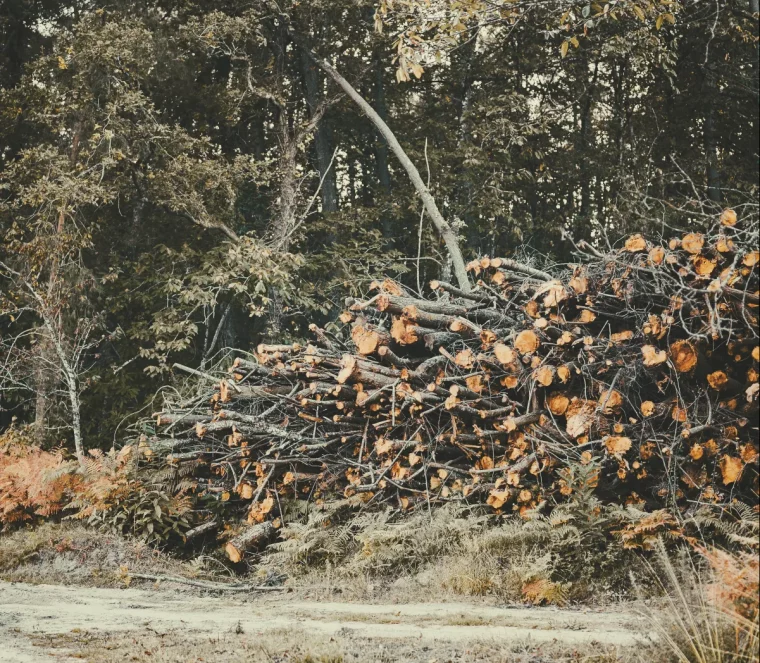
(563, 48)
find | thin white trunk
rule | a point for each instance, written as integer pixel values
(72, 385)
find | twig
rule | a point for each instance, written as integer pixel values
(203, 584)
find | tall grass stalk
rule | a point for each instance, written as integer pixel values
(710, 615)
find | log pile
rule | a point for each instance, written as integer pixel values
(642, 360)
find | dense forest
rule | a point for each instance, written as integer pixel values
(181, 177)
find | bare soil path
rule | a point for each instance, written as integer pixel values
(29, 613)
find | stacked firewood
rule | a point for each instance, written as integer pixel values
(640, 360)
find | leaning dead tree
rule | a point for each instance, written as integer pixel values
(444, 229)
(641, 362)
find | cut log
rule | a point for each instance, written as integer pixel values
(200, 530)
(367, 338)
(412, 416)
(252, 537)
(527, 342)
(684, 356)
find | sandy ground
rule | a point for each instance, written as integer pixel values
(28, 612)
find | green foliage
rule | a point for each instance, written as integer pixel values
(115, 494)
(151, 515)
(242, 273)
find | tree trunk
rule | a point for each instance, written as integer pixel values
(381, 145)
(582, 226)
(284, 221)
(76, 422)
(322, 137)
(42, 391)
(710, 144)
(46, 350)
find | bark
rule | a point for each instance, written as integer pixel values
(585, 139)
(710, 145)
(249, 538)
(42, 390)
(466, 91)
(465, 189)
(46, 350)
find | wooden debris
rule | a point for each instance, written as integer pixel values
(486, 396)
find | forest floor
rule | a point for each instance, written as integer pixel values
(59, 623)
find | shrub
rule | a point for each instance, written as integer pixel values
(108, 490)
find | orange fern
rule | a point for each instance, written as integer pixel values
(33, 482)
(736, 586)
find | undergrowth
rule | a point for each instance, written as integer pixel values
(578, 549)
(575, 551)
(109, 491)
(709, 613)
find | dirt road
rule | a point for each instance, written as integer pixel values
(29, 613)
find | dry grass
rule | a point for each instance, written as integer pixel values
(705, 614)
(70, 553)
(708, 615)
(176, 647)
(450, 552)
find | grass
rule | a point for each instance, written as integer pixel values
(149, 646)
(708, 615)
(451, 552)
(705, 612)
(70, 553)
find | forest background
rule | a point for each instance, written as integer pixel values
(181, 177)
